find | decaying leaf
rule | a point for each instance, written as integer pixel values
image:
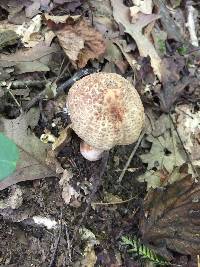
(89, 256)
(159, 38)
(168, 23)
(69, 194)
(188, 126)
(114, 55)
(165, 155)
(23, 67)
(102, 16)
(146, 48)
(29, 60)
(63, 139)
(8, 37)
(30, 32)
(171, 218)
(52, 21)
(31, 164)
(80, 41)
(166, 151)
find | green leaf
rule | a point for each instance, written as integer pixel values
(9, 155)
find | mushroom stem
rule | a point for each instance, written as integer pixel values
(90, 153)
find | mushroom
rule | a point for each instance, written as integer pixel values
(105, 111)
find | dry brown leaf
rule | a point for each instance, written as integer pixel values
(30, 32)
(171, 218)
(102, 16)
(69, 194)
(27, 55)
(114, 55)
(175, 79)
(80, 41)
(63, 139)
(146, 48)
(59, 19)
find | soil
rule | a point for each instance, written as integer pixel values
(24, 243)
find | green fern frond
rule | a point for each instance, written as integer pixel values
(143, 251)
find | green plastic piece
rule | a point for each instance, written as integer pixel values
(9, 155)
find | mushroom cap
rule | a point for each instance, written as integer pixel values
(105, 110)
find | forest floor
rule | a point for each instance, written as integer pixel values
(138, 207)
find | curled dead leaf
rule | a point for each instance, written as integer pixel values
(145, 47)
(80, 41)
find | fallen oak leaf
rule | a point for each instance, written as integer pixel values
(145, 47)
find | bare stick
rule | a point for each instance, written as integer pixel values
(68, 243)
(28, 83)
(113, 203)
(130, 157)
(53, 258)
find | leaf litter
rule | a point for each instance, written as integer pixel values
(46, 44)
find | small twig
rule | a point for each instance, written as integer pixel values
(53, 258)
(198, 261)
(113, 203)
(23, 84)
(68, 243)
(130, 157)
(11, 94)
(96, 184)
(66, 68)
